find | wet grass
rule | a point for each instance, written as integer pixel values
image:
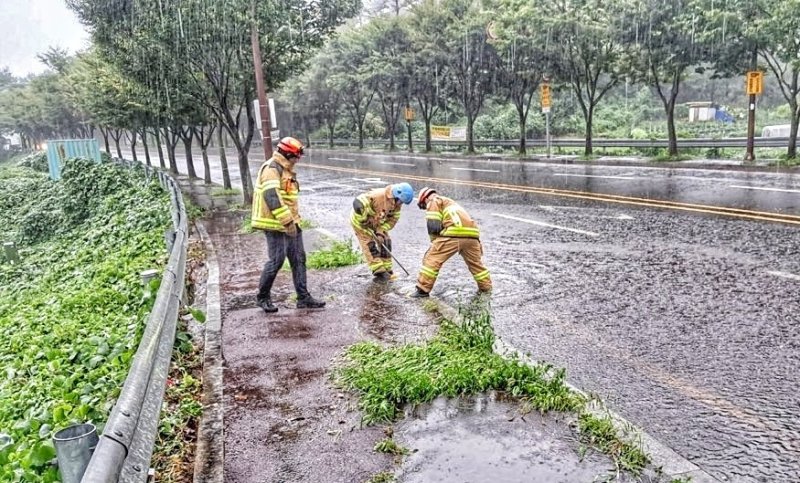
(388, 445)
(225, 192)
(382, 477)
(600, 433)
(339, 254)
(173, 457)
(306, 224)
(458, 361)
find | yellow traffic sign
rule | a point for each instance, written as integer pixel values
(755, 82)
(409, 113)
(544, 94)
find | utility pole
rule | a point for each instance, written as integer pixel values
(263, 106)
(752, 91)
(409, 115)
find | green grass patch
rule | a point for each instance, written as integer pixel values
(382, 477)
(225, 192)
(339, 254)
(73, 310)
(173, 455)
(247, 226)
(306, 224)
(600, 433)
(458, 361)
(388, 445)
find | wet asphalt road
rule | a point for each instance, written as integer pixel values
(686, 324)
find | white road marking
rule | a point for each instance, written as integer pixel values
(399, 164)
(764, 189)
(475, 169)
(338, 185)
(790, 276)
(326, 233)
(547, 225)
(341, 159)
(615, 217)
(370, 180)
(593, 176)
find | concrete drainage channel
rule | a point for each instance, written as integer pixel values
(556, 462)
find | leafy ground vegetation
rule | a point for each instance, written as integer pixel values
(460, 361)
(72, 311)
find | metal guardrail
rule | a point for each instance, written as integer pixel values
(126, 445)
(760, 142)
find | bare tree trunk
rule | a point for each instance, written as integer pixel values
(187, 146)
(146, 148)
(133, 147)
(104, 132)
(588, 148)
(160, 149)
(470, 140)
(522, 131)
(428, 144)
(791, 153)
(117, 134)
(223, 160)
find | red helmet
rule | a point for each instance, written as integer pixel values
(290, 146)
(424, 194)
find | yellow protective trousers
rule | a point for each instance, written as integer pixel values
(378, 259)
(442, 248)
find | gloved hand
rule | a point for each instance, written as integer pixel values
(381, 238)
(291, 229)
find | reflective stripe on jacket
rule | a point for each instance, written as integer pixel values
(447, 218)
(276, 194)
(375, 211)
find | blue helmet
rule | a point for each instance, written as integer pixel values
(403, 192)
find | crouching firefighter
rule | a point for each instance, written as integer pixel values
(374, 214)
(452, 231)
(275, 212)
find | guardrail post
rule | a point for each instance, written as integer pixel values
(74, 447)
(10, 250)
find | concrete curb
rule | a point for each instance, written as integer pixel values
(671, 463)
(210, 453)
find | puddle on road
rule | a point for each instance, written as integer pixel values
(482, 439)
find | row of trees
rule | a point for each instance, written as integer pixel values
(464, 52)
(183, 70)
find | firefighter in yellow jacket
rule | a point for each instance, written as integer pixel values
(275, 212)
(374, 214)
(452, 231)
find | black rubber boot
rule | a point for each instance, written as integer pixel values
(382, 277)
(266, 306)
(310, 303)
(419, 294)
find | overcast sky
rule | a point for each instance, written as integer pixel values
(28, 27)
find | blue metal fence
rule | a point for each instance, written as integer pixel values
(59, 150)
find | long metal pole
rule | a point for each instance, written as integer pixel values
(266, 126)
(547, 132)
(750, 155)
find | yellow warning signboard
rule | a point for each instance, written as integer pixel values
(755, 83)
(409, 114)
(440, 132)
(544, 94)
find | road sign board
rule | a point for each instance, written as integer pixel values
(755, 82)
(409, 114)
(544, 95)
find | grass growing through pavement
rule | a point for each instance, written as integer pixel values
(339, 254)
(225, 192)
(600, 433)
(388, 445)
(457, 361)
(382, 477)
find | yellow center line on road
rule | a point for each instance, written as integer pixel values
(608, 198)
